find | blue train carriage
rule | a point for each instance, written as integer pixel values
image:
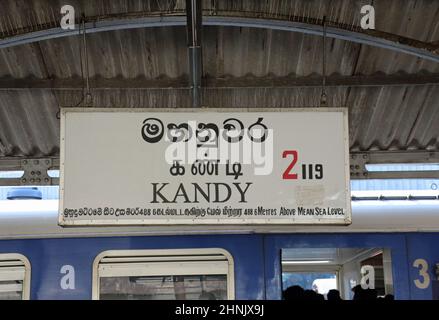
(390, 242)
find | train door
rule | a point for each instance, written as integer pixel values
(349, 271)
(183, 274)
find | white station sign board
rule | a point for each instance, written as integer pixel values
(187, 166)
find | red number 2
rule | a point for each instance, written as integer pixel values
(287, 174)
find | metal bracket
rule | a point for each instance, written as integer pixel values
(358, 165)
(35, 171)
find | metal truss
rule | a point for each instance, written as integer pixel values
(374, 38)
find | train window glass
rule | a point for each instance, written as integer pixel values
(190, 274)
(11, 290)
(323, 269)
(320, 282)
(14, 277)
(186, 287)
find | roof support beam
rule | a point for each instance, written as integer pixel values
(373, 38)
(36, 168)
(194, 27)
(100, 84)
(359, 160)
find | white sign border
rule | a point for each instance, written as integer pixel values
(210, 222)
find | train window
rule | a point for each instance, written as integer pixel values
(14, 277)
(188, 274)
(323, 269)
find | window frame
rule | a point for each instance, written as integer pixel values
(25, 293)
(192, 265)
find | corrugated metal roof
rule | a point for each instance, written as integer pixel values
(399, 117)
